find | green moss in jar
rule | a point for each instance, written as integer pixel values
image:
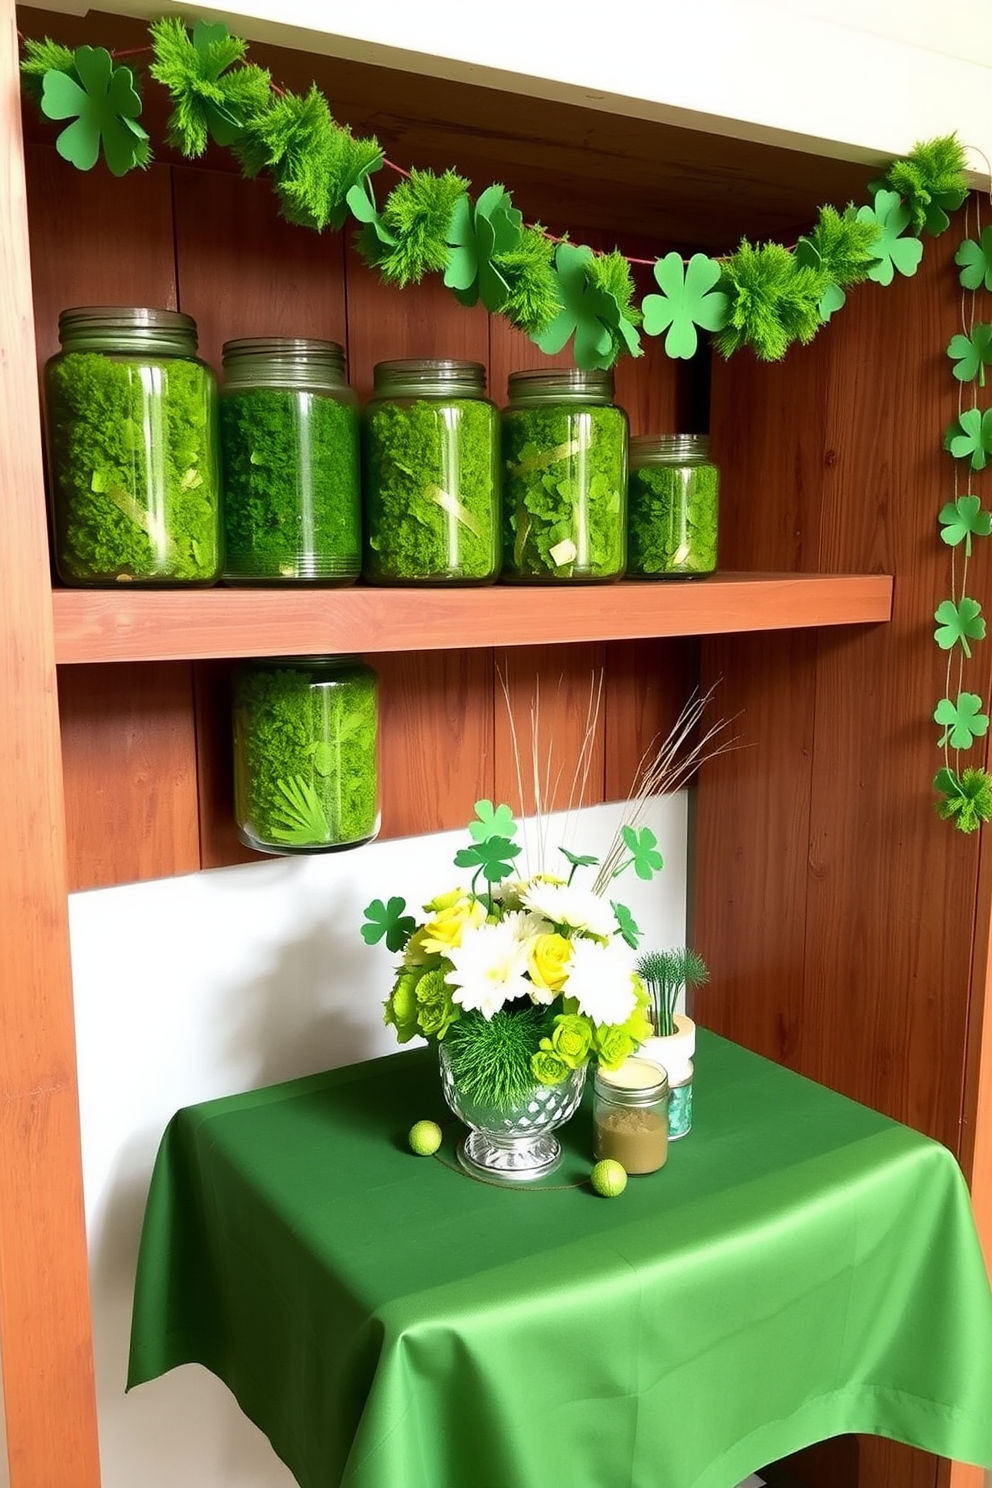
(673, 505)
(133, 468)
(305, 755)
(432, 493)
(291, 485)
(564, 497)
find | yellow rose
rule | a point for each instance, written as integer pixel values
(450, 923)
(444, 901)
(547, 961)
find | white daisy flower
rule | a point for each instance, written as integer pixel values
(579, 909)
(489, 968)
(600, 978)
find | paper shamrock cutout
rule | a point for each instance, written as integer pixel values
(963, 722)
(642, 845)
(586, 312)
(808, 256)
(388, 920)
(975, 260)
(476, 235)
(688, 300)
(936, 219)
(971, 438)
(957, 624)
(104, 107)
(892, 251)
(629, 928)
(375, 235)
(967, 797)
(494, 857)
(963, 518)
(971, 354)
(615, 316)
(491, 821)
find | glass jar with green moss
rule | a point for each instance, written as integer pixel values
(672, 507)
(305, 753)
(431, 475)
(289, 453)
(564, 478)
(133, 469)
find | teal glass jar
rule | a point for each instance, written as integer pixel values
(290, 461)
(564, 446)
(133, 470)
(305, 753)
(672, 507)
(431, 475)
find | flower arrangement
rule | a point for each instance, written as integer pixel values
(525, 980)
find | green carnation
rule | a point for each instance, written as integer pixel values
(571, 1040)
(613, 1044)
(549, 1068)
(436, 1011)
(402, 1007)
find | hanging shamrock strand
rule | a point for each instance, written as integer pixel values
(965, 795)
(763, 296)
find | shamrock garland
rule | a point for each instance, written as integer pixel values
(764, 296)
(965, 796)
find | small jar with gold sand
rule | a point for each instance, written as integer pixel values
(630, 1115)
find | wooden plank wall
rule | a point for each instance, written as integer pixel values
(147, 747)
(835, 910)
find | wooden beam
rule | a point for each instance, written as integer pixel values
(45, 1340)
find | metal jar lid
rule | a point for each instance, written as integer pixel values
(429, 378)
(636, 1082)
(125, 328)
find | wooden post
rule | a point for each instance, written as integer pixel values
(45, 1335)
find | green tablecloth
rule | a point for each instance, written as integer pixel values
(802, 1267)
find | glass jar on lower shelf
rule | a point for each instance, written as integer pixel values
(431, 475)
(133, 470)
(289, 444)
(564, 444)
(305, 754)
(672, 507)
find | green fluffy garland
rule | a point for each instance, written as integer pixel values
(763, 296)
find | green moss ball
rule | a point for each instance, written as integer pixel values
(425, 1138)
(609, 1178)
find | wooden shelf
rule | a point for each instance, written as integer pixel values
(101, 625)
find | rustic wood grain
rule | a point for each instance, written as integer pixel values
(549, 700)
(220, 845)
(647, 685)
(45, 1328)
(243, 271)
(385, 323)
(752, 832)
(129, 766)
(100, 625)
(882, 865)
(436, 748)
(87, 213)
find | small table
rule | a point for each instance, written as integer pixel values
(801, 1268)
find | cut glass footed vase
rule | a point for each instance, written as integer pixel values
(515, 1144)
